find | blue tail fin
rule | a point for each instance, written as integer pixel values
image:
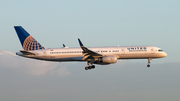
(27, 41)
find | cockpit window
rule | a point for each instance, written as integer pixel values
(160, 50)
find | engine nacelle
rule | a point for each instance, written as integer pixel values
(108, 59)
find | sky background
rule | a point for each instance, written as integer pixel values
(96, 23)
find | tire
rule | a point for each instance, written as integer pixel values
(89, 67)
(86, 68)
(93, 66)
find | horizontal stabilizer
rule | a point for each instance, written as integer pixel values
(64, 46)
(27, 53)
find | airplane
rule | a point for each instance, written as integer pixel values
(92, 55)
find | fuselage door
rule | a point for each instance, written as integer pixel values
(44, 53)
(152, 50)
(123, 51)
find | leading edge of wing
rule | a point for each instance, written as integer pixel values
(88, 52)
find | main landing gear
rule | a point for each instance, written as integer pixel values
(89, 67)
(149, 61)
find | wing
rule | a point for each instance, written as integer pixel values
(87, 53)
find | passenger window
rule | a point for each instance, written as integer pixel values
(160, 50)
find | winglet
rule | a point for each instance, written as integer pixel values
(80, 43)
(87, 53)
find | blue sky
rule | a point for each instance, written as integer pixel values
(96, 23)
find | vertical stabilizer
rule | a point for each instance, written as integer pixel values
(27, 41)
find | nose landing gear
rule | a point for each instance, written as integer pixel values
(149, 61)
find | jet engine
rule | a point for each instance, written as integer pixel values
(108, 59)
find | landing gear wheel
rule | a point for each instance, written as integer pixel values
(86, 68)
(93, 66)
(148, 65)
(89, 67)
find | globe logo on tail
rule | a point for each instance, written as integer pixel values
(31, 44)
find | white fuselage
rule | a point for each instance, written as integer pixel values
(75, 54)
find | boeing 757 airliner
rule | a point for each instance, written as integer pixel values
(93, 55)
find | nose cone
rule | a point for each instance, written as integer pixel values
(164, 54)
